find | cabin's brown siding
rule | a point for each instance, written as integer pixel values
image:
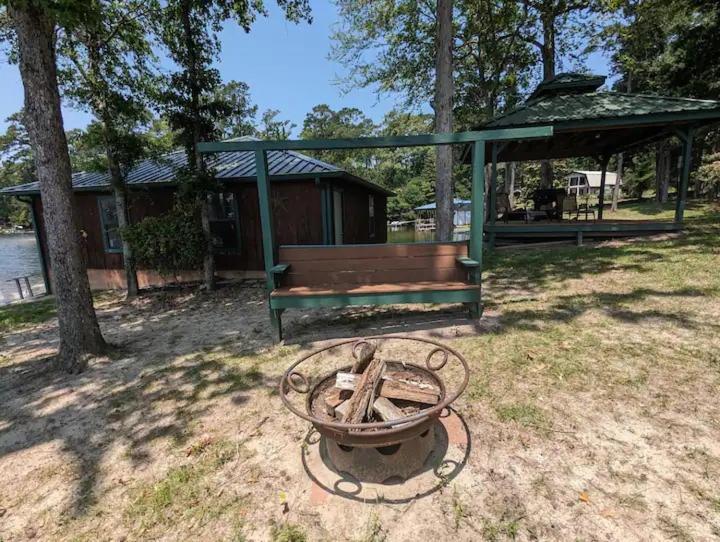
(356, 216)
(297, 218)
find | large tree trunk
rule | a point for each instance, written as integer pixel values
(510, 182)
(618, 180)
(79, 331)
(662, 172)
(443, 120)
(196, 160)
(547, 52)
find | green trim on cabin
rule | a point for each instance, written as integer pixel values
(387, 298)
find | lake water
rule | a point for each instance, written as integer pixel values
(409, 235)
(18, 257)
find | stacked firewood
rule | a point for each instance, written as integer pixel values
(371, 392)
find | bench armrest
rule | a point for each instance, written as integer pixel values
(467, 262)
(280, 269)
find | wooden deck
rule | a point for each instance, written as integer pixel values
(576, 229)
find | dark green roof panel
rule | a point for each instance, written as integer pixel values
(593, 106)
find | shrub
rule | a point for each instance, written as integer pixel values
(168, 243)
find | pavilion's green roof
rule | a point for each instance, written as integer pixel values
(568, 83)
(590, 108)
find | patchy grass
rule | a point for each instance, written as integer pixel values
(18, 315)
(525, 414)
(287, 532)
(186, 491)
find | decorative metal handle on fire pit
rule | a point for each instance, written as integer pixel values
(376, 432)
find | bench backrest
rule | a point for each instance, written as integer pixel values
(373, 264)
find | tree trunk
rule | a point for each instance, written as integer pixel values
(616, 187)
(443, 120)
(80, 334)
(510, 183)
(128, 256)
(121, 208)
(547, 52)
(662, 172)
(195, 160)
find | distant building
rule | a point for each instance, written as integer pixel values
(426, 214)
(588, 182)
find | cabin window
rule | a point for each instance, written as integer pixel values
(371, 215)
(224, 222)
(109, 224)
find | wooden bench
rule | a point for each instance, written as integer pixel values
(339, 276)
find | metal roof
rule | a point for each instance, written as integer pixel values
(457, 203)
(560, 108)
(229, 166)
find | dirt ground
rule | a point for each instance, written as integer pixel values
(591, 413)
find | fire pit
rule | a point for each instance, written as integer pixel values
(378, 415)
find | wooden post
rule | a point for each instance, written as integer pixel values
(492, 199)
(604, 159)
(477, 219)
(268, 236)
(266, 222)
(687, 140)
(36, 229)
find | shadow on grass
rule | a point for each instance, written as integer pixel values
(128, 399)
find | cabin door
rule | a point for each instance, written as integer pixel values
(338, 216)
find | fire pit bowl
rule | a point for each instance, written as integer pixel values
(416, 422)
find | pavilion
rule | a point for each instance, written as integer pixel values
(590, 122)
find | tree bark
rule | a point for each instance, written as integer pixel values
(195, 160)
(80, 335)
(618, 180)
(444, 120)
(510, 183)
(662, 172)
(122, 210)
(547, 52)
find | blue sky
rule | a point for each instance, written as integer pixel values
(285, 65)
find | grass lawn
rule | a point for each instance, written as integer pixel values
(21, 314)
(591, 411)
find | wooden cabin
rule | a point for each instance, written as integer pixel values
(314, 203)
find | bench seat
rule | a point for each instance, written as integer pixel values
(338, 276)
(331, 289)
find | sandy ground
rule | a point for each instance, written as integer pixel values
(180, 434)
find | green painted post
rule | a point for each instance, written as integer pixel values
(43, 264)
(266, 222)
(268, 235)
(492, 201)
(684, 175)
(477, 218)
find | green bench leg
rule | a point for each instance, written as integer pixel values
(276, 322)
(475, 310)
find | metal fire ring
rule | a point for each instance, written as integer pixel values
(436, 359)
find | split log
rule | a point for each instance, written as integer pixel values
(364, 391)
(396, 385)
(334, 398)
(342, 409)
(364, 357)
(386, 410)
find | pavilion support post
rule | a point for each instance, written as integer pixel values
(268, 235)
(604, 159)
(687, 140)
(477, 218)
(492, 195)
